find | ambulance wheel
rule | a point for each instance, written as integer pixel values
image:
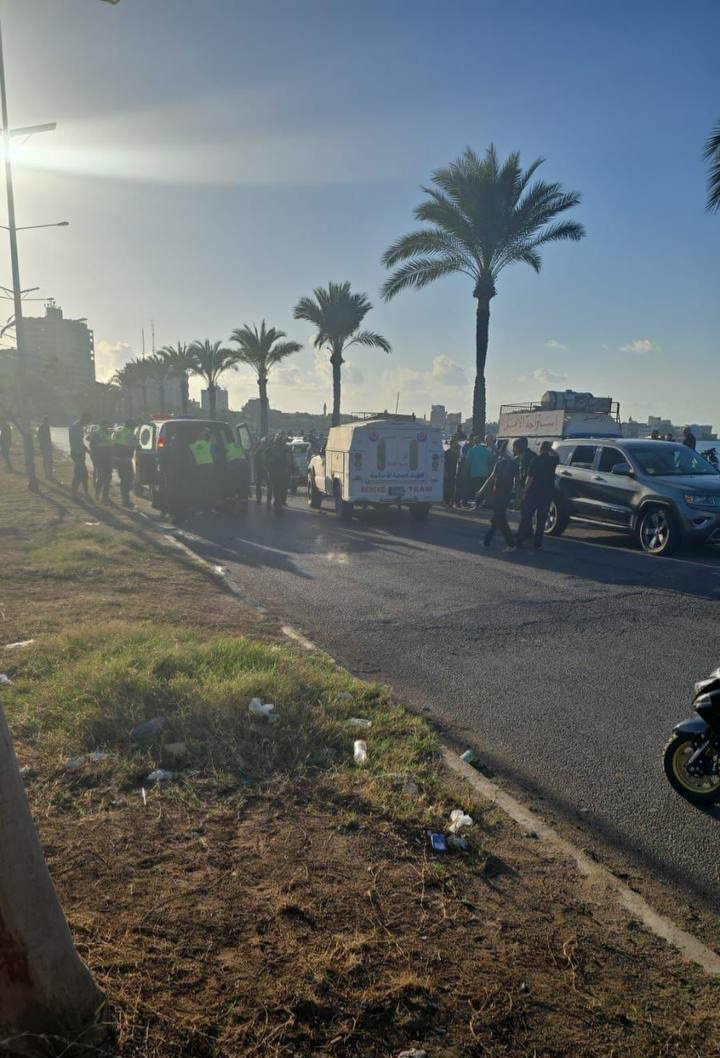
(343, 509)
(419, 511)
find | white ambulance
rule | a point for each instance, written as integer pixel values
(387, 460)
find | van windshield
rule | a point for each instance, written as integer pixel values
(668, 460)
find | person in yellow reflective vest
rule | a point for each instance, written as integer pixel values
(101, 453)
(204, 483)
(123, 444)
(237, 471)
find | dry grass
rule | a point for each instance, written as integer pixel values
(274, 900)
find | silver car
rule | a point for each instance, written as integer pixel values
(662, 492)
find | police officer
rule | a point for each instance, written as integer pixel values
(237, 471)
(203, 471)
(101, 452)
(123, 447)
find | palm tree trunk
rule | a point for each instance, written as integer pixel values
(46, 987)
(184, 392)
(482, 325)
(336, 361)
(212, 398)
(161, 386)
(264, 409)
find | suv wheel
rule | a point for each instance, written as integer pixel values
(557, 518)
(658, 531)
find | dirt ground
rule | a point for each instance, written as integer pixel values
(305, 915)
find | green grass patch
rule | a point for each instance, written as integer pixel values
(86, 690)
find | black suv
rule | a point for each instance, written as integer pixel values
(663, 493)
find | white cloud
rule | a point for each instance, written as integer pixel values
(641, 347)
(552, 343)
(110, 356)
(447, 373)
(543, 375)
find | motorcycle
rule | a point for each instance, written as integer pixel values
(692, 756)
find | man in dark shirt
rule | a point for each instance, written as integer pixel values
(689, 438)
(539, 487)
(498, 492)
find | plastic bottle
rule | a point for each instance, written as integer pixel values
(360, 751)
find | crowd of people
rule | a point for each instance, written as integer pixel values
(482, 473)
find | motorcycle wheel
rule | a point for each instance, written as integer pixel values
(700, 790)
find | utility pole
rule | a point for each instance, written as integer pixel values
(24, 416)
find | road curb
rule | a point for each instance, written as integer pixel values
(601, 878)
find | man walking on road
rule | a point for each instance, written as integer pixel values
(498, 493)
(45, 445)
(76, 436)
(6, 443)
(539, 487)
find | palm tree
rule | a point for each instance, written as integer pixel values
(484, 216)
(209, 361)
(337, 313)
(181, 362)
(160, 369)
(712, 155)
(261, 350)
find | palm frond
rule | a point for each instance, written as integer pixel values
(711, 153)
(418, 273)
(422, 242)
(371, 338)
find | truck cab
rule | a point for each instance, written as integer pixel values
(393, 460)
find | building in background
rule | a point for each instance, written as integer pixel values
(221, 401)
(60, 353)
(438, 416)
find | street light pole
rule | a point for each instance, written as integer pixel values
(25, 426)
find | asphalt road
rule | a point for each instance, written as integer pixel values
(566, 670)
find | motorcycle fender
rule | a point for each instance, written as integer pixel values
(694, 725)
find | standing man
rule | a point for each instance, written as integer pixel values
(525, 457)
(689, 438)
(480, 461)
(498, 493)
(278, 463)
(452, 454)
(123, 450)
(539, 488)
(102, 452)
(45, 445)
(6, 443)
(78, 450)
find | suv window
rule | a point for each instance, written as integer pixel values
(563, 452)
(583, 456)
(609, 458)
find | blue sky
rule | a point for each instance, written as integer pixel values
(219, 158)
